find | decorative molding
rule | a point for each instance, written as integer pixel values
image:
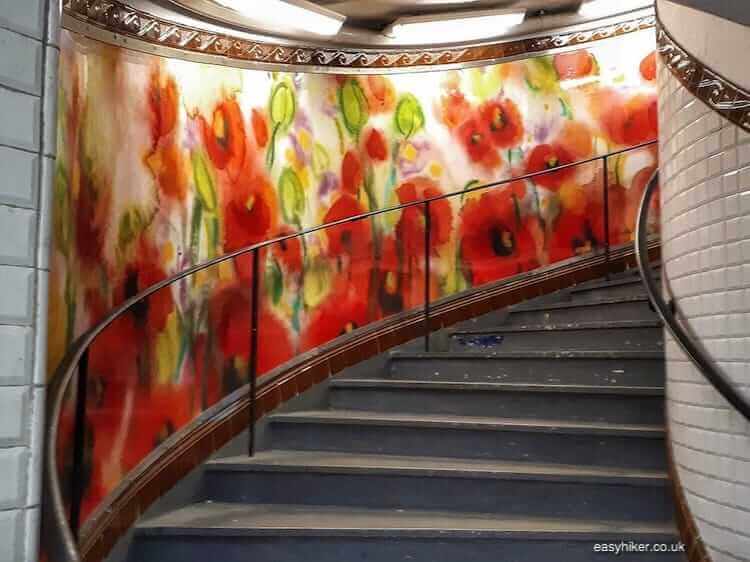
(726, 98)
(116, 22)
(192, 445)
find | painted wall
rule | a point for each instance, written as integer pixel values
(163, 164)
(28, 76)
(706, 254)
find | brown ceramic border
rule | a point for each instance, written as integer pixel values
(695, 549)
(109, 19)
(196, 442)
(720, 94)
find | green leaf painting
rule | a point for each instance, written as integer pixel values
(292, 196)
(282, 108)
(409, 117)
(204, 183)
(354, 107)
(274, 281)
(541, 75)
(132, 222)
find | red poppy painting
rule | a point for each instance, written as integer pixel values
(225, 137)
(351, 238)
(546, 158)
(230, 316)
(166, 165)
(344, 310)
(495, 242)
(477, 141)
(410, 229)
(576, 64)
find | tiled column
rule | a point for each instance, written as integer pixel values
(705, 179)
(28, 85)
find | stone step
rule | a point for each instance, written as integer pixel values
(606, 368)
(294, 533)
(630, 308)
(645, 335)
(538, 440)
(413, 482)
(613, 404)
(619, 287)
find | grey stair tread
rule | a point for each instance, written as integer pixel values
(354, 463)
(468, 422)
(620, 324)
(531, 354)
(532, 306)
(378, 471)
(229, 519)
(605, 284)
(499, 387)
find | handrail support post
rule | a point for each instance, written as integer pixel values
(77, 481)
(253, 358)
(427, 234)
(605, 161)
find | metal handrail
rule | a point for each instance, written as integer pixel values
(55, 518)
(689, 343)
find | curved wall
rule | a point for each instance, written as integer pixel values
(715, 41)
(731, 10)
(165, 163)
(705, 163)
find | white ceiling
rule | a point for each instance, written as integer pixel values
(378, 14)
(366, 19)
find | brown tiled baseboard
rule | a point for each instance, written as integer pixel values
(695, 550)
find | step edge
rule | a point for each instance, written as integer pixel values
(590, 478)
(651, 391)
(636, 354)
(405, 533)
(598, 529)
(554, 426)
(580, 288)
(564, 305)
(565, 327)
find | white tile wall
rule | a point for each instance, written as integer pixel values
(19, 119)
(24, 70)
(25, 17)
(705, 178)
(19, 178)
(28, 86)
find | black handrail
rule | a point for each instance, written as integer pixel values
(63, 534)
(689, 343)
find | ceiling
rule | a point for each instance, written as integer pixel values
(378, 14)
(367, 19)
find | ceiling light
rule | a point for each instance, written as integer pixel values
(457, 26)
(297, 14)
(598, 8)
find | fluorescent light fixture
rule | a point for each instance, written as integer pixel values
(453, 27)
(284, 14)
(599, 8)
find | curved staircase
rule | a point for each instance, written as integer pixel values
(535, 434)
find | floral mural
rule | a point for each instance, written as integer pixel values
(164, 164)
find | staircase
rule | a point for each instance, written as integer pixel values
(534, 435)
